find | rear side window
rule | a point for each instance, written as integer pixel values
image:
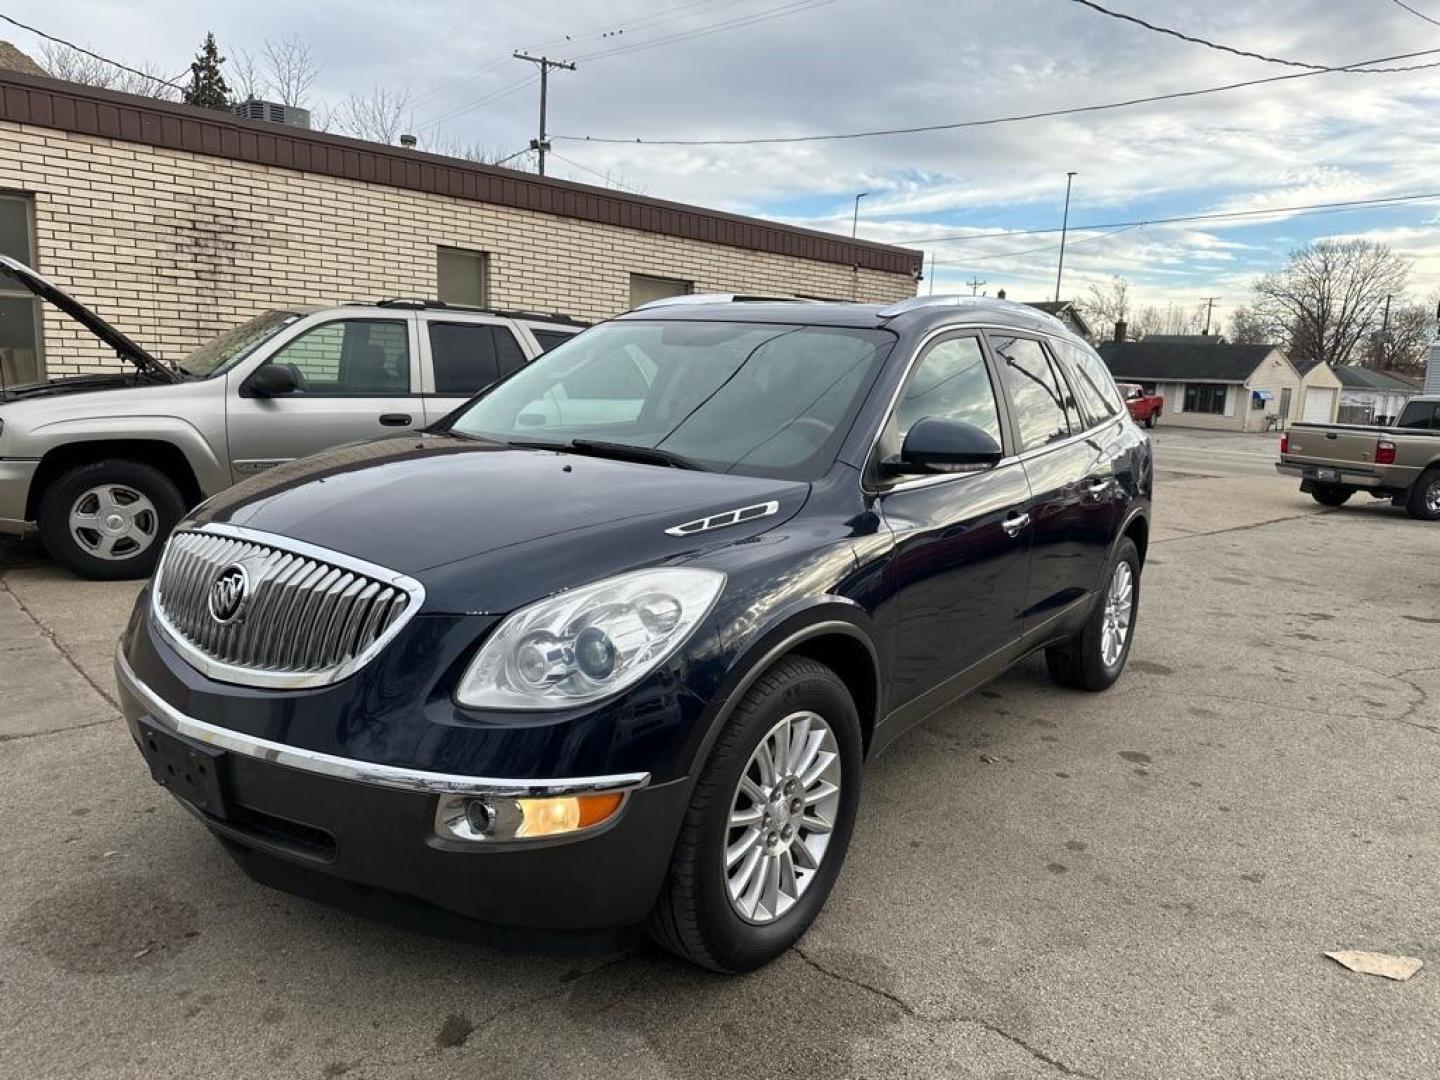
(351, 358)
(548, 339)
(1038, 397)
(1420, 414)
(1095, 390)
(467, 357)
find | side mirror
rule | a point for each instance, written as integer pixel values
(936, 444)
(272, 380)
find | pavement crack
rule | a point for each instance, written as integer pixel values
(1244, 528)
(915, 1014)
(54, 640)
(57, 731)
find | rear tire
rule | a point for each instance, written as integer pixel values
(1090, 660)
(108, 520)
(1423, 503)
(1332, 496)
(1152, 419)
(695, 916)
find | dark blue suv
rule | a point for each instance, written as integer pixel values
(610, 645)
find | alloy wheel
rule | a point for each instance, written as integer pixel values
(1119, 607)
(1432, 497)
(114, 522)
(781, 817)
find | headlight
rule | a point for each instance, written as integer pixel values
(588, 643)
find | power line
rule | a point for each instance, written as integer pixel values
(94, 55)
(993, 120)
(1297, 210)
(1227, 48)
(1417, 14)
(602, 176)
(791, 8)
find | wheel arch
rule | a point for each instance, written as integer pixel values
(157, 453)
(836, 633)
(1137, 529)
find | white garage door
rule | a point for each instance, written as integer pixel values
(1319, 405)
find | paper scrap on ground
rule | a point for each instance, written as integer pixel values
(1398, 968)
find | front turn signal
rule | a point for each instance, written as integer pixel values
(552, 817)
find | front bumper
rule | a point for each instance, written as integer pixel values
(371, 827)
(15, 477)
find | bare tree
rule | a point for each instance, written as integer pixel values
(1250, 325)
(1406, 343)
(1107, 305)
(1171, 319)
(1329, 295)
(291, 70)
(247, 77)
(382, 115)
(69, 64)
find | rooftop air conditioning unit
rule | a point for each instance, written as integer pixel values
(273, 112)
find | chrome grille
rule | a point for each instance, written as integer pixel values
(305, 617)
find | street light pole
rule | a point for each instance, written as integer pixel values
(855, 217)
(1064, 228)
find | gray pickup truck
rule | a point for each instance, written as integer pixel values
(105, 465)
(1399, 463)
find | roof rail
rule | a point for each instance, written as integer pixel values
(916, 303)
(720, 298)
(416, 303)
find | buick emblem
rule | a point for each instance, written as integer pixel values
(229, 593)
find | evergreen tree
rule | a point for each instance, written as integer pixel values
(207, 86)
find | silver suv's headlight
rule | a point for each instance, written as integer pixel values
(585, 644)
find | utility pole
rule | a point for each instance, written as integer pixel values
(1209, 307)
(932, 273)
(542, 144)
(975, 284)
(1064, 227)
(855, 217)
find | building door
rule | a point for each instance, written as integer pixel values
(1285, 395)
(1319, 405)
(20, 360)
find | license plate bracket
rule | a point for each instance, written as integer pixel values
(189, 770)
(1330, 476)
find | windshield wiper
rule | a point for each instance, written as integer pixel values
(647, 455)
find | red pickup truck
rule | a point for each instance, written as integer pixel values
(1144, 408)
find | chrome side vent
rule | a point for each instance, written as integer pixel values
(725, 519)
(246, 607)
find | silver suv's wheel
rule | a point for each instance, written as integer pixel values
(109, 519)
(769, 820)
(782, 816)
(113, 521)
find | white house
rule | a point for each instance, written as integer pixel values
(1209, 383)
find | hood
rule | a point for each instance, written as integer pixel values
(47, 290)
(75, 384)
(487, 528)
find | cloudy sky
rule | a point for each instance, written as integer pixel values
(725, 69)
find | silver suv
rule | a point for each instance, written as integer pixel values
(105, 465)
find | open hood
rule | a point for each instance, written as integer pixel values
(52, 293)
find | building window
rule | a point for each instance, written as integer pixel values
(463, 277)
(1204, 399)
(644, 288)
(20, 355)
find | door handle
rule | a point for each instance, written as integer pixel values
(1012, 525)
(395, 419)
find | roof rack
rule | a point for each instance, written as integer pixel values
(720, 298)
(416, 303)
(916, 303)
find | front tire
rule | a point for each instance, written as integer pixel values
(768, 824)
(1152, 419)
(1094, 658)
(1332, 496)
(1424, 501)
(109, 519)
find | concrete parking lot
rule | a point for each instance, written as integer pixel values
(1043, 884)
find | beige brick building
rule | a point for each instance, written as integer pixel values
(177, 223)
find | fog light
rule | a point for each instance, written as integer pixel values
(550, 817)
(480, 816)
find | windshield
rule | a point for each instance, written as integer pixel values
(234, 345)
(757, 399)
